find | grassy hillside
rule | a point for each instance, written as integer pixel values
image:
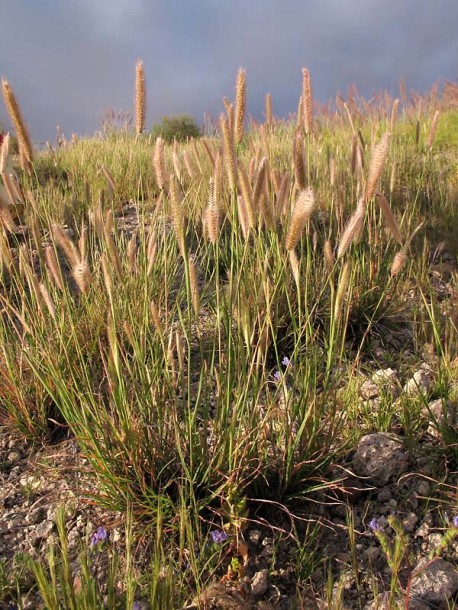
(198, 317)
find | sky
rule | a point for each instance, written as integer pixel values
(68, 60)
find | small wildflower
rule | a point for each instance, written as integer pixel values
(287, 362)
(277, 376)
(99, 536)
(137, 606)
(218, 536)
(455, 522)
(375, 527)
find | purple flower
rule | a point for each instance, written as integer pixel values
(99, 536)
(218, 536)
(277, 376)
(375, 527)
(455, 522)
(137, 606)
(287, 362)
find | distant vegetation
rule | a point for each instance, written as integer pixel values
(179, 128)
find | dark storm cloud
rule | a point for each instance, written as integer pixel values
(67, 61)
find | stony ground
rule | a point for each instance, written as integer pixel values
(384, 478)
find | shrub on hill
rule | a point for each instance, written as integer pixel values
(178, 128)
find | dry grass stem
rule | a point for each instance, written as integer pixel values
(295, 268)
(376, 165)
(113, 253)
(188, 164)
(247, 194)
(240, 104)
(393, 176)
(208, 151)
(394, 113)
(151, 251)
(350, 120)
(341, 291)
(302, 212)
(176, 162)
(217, 179)
(195, 296)
(5, 159)
(243, 216)
(177, 217)
(230, 114)
(48, 300)
(107, 277)
(433, 128)
(140, 97)
(282, 195)
(260, 184)
(156, 319)
(110, 180)
(20, 127)
(353, 158)
(196, 156)
(332, 170)
(7, 194)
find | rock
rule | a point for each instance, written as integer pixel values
(369, 389)
(43, 530)
(435, 582)
(409, 522)
(380, 457)
(387, 380)
(420, 382)
(440, 416)
(260, 583)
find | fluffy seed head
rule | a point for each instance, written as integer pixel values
(82, 276)
(353, 229)
(159, 163)
(268, 109)
(376, 165)
(302, 212)
(240, 105)
(229, 152)
(20, 127)
(308, 101)
(53, 267)
(140, 97)
(389, 218)
(299, 162)
(398, 263)
(394, 113)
